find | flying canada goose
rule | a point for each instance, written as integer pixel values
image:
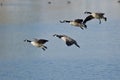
(76, 23)
(93, 15)
(38, 43)
(69, 41)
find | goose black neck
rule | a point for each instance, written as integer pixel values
(59, 36)
(27, 40)
(88, 12)
(67, 21)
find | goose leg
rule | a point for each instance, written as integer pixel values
(105, 18)
(43, 49)
(99, 21)
(85, 26)
(81, 27)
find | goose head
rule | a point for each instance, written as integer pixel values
(86, 12)
(54, 35)
(26, 40)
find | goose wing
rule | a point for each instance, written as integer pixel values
(88, 18)
(77, 44)
(69, 40)
(78, 20)
(68, 43)
(100, 13)
(42, 41)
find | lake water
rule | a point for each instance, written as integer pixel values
(97, 59)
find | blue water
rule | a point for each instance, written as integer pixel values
(97, 59)
(43, 69)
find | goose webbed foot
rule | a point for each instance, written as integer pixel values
(85, 26)
(43, 49)
(82, 28)
(105, 19)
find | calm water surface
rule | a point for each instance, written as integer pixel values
(97, 59)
